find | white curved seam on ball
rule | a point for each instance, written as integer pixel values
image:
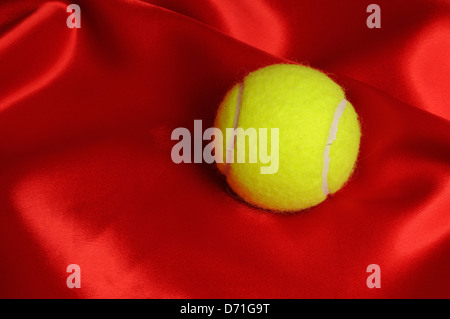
(331, 137)
(237, 112)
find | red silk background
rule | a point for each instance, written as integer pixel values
(86, 175)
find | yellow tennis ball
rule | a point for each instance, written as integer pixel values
(318, 137)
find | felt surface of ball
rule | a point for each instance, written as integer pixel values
(302, 103)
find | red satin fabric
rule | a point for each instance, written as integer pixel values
(86, 175)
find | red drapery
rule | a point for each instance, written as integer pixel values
(86, 176)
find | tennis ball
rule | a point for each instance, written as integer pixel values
(318, 137)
